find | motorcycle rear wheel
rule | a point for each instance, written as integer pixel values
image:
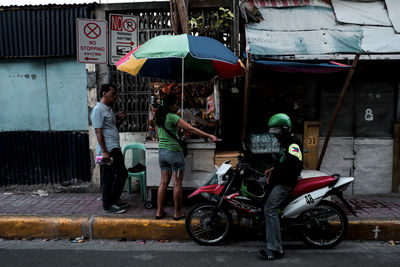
(208, 226)
(325, 225)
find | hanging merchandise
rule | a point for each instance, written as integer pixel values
(195, 93)
(210, 108)
(217, 99)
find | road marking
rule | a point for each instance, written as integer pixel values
(376, 231)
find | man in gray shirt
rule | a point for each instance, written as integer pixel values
(113, 172)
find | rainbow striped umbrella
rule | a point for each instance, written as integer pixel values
(182, 57)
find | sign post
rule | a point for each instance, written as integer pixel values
(92, 41)
(124, 35)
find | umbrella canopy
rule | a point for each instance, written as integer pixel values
(162, 56)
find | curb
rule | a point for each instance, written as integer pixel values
(102, 227)
(40, 226)
(133, 229)
(374, 230)
(92, 227)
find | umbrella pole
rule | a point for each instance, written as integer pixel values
(183, 77)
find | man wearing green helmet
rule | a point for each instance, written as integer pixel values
(281, 179)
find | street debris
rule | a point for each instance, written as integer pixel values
(394, 243)
(46, 239)
(41, 193)
(143, 242)
(80, 239)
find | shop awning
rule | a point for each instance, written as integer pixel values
(293, 67)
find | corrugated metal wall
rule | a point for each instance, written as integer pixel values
(41, 157)
(39, 31)
(28, 158)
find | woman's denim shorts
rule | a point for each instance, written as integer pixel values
(171, 160)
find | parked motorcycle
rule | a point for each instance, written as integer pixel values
(307, 213)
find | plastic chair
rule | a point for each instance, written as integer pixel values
(138, 155)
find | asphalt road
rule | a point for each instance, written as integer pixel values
(154, 253)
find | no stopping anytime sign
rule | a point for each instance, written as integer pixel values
(92, 41)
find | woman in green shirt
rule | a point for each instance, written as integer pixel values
(171, 158)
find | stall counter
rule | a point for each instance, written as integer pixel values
(199, 164)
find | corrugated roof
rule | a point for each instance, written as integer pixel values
(286, 32)
(38, 31)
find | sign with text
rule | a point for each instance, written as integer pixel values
(124, 35)
(92, 41)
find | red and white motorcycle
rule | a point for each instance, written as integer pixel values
(308, 214)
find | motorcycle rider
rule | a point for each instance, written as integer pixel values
(281, 180)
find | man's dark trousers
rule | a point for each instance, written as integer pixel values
(273, 230)
(113, 178)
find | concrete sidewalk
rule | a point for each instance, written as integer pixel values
(71, 215)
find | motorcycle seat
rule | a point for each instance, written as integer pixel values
(310, 184)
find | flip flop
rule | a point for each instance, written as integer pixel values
(180, 217)
(161, 216)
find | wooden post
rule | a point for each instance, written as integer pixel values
(311, 143)
(183, 15)
(246, 96)
(174, 16)
(338, 105)
(396, 159)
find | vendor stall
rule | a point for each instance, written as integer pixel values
(199, 165)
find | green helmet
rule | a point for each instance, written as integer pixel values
(278, 123)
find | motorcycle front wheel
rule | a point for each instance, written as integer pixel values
(208, 226)
(325, 226)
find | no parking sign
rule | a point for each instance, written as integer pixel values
(123, 35)
(92, 45)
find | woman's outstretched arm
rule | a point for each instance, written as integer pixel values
(186, 126)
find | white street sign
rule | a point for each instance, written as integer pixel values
(124, 35)
(92, 41)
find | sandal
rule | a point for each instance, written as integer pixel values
(180, 217)
(161, 216)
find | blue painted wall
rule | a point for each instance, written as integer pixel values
(23, 100)
(66, 83)
(42, 95)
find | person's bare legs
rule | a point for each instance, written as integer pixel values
(178, 177)
(162, 191)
